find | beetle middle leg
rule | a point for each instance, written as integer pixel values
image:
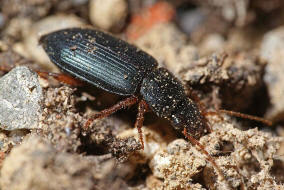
(104, 113)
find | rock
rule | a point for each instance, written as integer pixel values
(20, 99)
(108, 14)
(272, 50)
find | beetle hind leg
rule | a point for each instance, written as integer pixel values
(61, 77)
(5, 69)
(104, 113)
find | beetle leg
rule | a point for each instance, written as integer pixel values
(5, 68)
(142, 109)
(208, 157)
(104, 113)
(61, 77)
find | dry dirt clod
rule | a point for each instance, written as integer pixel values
(245, 157)
(20, 100)
(177, 164)
(35, 164)
(250, 158)
(236, 77)
(60, 121)
(101, 135)
(27, 8)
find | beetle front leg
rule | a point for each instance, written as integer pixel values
(202, 149)
(104, 113)
(142, 109)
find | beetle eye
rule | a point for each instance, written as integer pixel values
(176, 121)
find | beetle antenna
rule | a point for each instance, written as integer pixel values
(246, 116)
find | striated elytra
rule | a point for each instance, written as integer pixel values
(99, 59)
(120, 68)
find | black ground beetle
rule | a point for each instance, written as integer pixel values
(120, 68)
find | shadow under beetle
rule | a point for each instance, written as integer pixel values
(117, 67)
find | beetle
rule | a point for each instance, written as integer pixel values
(120, 68)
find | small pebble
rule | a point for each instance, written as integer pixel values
(212, 43)
(49, 24)
(190, 19)
(272, 50)
(108, 15)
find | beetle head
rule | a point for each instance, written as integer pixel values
(187, 115)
